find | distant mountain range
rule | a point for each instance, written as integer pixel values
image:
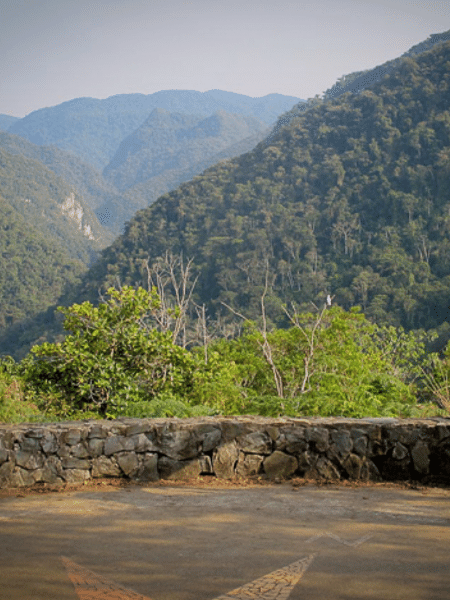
(122, 153)
(93, 129)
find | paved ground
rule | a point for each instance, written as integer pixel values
(256, 543)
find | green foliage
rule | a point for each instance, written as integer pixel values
(116, 362)
(351, 370)
(34, 270)
(13, 407)
(112, 358)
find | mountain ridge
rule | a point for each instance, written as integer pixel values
(100, 125)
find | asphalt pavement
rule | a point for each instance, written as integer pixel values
(257, 543)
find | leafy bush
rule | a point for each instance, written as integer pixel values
(113, 359)
(13, 406)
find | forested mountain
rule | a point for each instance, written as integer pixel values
(360, 80)
(50, 205)
(350, 198)
(93, 129)
(6, 121)
(170, 148)
(48, 235)
(169, 141)
(34, 267)
(83, 178)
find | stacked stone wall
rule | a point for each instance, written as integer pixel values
(153, 449)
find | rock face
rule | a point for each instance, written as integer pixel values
(152, 449)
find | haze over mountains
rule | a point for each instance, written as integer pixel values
(93, 129)
(348, 196)
(99, 132)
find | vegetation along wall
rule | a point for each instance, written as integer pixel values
(153, 449)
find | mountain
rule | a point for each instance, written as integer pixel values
(6, 121)
(34, 267)
(85, 181)
(144, 194)
(51, 205)
(169, 141)
(361, 80)
(93, 129)
(49, 236)
(170, 148)
(349, 198)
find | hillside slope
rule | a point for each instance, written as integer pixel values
(34, 269)
(50, 205)
(350, 198)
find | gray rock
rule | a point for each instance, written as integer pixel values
(179, 444)
(70, 462)
(143, 444)
(205, 465)
(21, 478)
(323, 469)
(95, 447)
(30, 444)
(421, 458)
(29, 460)
(118, 443)
(224, 460)
(105, 467)
(353, 465)
(49, 444)
(292, 441)
(97, 431)
(178, 469)
(280, 465)
(211, 440)
(80, 451)
(408, 434)
(369, 471)
(258, 442)
(148, 468)
(76, 475)
(319, 437)
(63, 450)
(360, 445)
(342, 443)
(249, 465)
(3, 455)
(52, 471)
(128, 462)
(137, 428)
(35, 433)
(400, 451)
(71, 437)
(306, 461)
(6, 470)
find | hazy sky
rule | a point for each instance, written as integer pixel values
(56, 50)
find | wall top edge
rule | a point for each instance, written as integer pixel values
(280, 421)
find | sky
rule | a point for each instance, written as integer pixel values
(55, 50)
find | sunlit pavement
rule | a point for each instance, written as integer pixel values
(258, 543)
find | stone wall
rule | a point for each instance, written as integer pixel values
(152, 449)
